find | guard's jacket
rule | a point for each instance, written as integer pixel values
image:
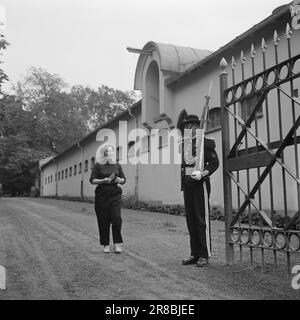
(211, 163)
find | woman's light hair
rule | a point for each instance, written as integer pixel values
(100, 154)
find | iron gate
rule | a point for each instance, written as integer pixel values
(254, 222)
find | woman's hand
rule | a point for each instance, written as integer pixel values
(119, 180)
(106, 181)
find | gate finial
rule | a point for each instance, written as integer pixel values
(263, 45)
(288, 32)
(252, 51)
(276, 39)
(223, 65)
(243, 59)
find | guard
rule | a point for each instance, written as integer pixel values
(196, 191)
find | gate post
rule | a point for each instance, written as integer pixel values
(225, 151)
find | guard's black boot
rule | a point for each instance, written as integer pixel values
(190, 260)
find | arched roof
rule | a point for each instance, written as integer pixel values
(173, 59)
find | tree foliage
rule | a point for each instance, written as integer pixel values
(43, 117)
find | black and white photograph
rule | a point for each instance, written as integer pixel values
(149, 153)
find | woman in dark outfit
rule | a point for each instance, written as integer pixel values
(107, 175)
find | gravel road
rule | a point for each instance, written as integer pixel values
(50, 250)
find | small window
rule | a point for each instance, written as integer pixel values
(75, 170)
(70, 169)
(62, 174)
(296, 93)
(46, 180)
(86, 165)
(59, 176)
(66, 173)
(118, 154)
(80, 168)
(214, 119)
(149, 143)
(130, 149)
(247, 107)
(92, 163)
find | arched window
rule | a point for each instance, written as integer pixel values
(152, 92)
(92, 163)
(214, 119)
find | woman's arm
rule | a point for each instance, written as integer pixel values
(100, 181)
(94, 177)
(121, 179)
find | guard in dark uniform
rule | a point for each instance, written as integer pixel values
(196, 192)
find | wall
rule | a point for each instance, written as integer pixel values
(71, 186)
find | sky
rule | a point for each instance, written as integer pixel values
(85, 41)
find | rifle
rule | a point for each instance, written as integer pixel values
(199, 165)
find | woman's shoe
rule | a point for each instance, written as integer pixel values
(106, 249)
(190, 260)
(117, 248)
(202, 262)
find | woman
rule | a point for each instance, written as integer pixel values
(107, 174)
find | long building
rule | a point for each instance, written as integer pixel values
(171, 78)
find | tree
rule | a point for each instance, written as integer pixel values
(43, 118)
(56, 123)
(3, 77)
(99, 106)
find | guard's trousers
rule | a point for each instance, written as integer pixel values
(196, 201)
(108, 212)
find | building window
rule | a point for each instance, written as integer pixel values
(247, 107)
(118, 154)
(152, 93)
(86, 165)
(46, 180)
(66, 173)
(59, 176)
(296, 93)
(160, 141)
(75, 170)
(80, 168)
(92, 163)
(70, 169)
(62, 174)
(131, 150)
(214, 119)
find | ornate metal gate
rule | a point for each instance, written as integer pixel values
(261, 155)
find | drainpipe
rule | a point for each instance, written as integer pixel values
(136, 185)
(56, 182)
(81, 181)
(41, 181)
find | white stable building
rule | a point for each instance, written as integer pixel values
(171, 78)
